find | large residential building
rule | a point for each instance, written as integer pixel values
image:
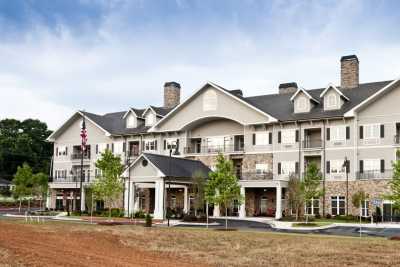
(268, 137)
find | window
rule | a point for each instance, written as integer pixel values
(262, 168)
(262, 139)
(288, 167)
(331, 101)
(301, 104)
(150, 118)
(337, 166)
(288, 136)
(170, 144)
(173, 202)
(210, 100)
(118, 148)
(150, 145)
(338, 204)
(101, 148)
(312, 207)
(372, 165)
(365, 208)
(371, 131)
(217, 144)
(62, 151)
(338, 133)
(130, 121)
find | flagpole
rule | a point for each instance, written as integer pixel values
(82, 151)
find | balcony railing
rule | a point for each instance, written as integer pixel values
(377, 174)
(397, 139)
(312, 143)
(71, 179)
(76, 156)
(214, 149)
(254, 175)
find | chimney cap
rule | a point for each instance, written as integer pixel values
(237, 92)
(349, 57)
(288, 85)
(175, 84)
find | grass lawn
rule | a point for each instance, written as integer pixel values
(61, 243)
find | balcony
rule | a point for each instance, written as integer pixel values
(376, 174)
(254, 175)
(214, 149)
(74, 179)
(78, 156)
(312, 143)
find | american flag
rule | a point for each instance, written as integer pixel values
(83, 135)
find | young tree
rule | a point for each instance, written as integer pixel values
(310, 185)
(23, 184)
(198, 188)
(294, 195)
(40, 186)
(222, 187)
(108, 186)
(358, 198)
(395, 183)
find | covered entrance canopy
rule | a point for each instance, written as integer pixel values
(155, 174)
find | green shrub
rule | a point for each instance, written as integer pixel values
(328, 216)
(115, 212)
(140, 214)
(148, 220)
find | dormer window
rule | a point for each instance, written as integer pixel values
(301, 104)
(130, 121)
(333, 97)
(303, 101)
(332, 101)
(150, 119)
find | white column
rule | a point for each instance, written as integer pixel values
(185, 199)
(242, 209)
(278, 213)
(132, 200)
(83, 199)
(126, 197)
(159, 200)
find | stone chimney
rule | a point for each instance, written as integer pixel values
(349, 72)
(172, 94)
(287, 88)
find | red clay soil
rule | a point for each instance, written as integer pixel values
(28, 245)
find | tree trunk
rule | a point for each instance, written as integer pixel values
(29, 204)
(20, 204)
(109, 213)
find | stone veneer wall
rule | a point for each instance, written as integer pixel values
(349, 73)
(375, 189)
(250, 161)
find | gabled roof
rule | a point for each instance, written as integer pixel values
(176, 167)
(137, 112)
(332, 86)
(300, 89)
(277, 104)
(4, 182)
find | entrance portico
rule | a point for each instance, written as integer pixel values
(154, 183)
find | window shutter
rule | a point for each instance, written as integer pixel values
(66, 151)
(361, 166)
(112, 147)
(348, 166)
(97, 149)
(123, 147)
(297, 135)
(108, 146)
(143, 145)
(382, 131)
(165, 144)
(296, 167)
(270, 138)
(328, 134)
(382, 165)
(254, 139)
(56, 151)
(328, 167)
(155, 145)
(279, 137)
(279, 168)
(348, 132)
(361, 132)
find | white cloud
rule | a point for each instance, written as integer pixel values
(47, 76)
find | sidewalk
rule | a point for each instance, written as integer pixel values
(288, 225)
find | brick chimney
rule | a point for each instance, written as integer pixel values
(287, 88)
(172, 94)
(349, 72)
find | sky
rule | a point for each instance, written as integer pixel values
(57, 57)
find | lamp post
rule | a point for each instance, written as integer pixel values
(346, 166)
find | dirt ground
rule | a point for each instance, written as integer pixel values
(60, 245)
(71, 244)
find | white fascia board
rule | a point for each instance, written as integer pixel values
(300, 89)
(153, 128)
(130, 110)
(351, 112)
(331, 85)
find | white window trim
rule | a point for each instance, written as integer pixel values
(170, 143)
(367, 136)
(288, 167)
(338, 133)
(337, 164)
(150, 143)
(285, 140)
(262, 168)
(338, 200)
(312, 206)
(262, 136)
(365, 208)
(371, 162)
(301, 104)
(334, 104)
